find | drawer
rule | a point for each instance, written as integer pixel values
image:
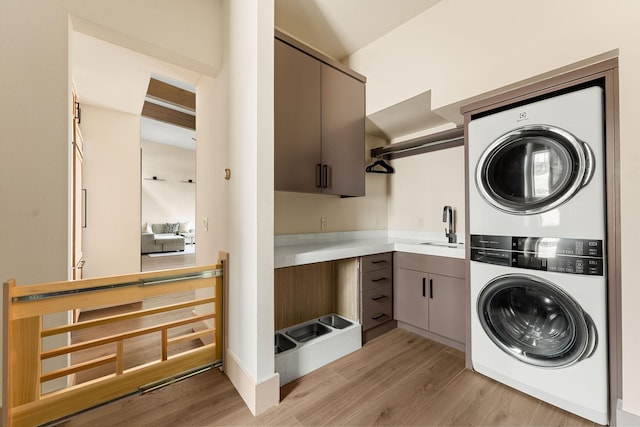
(376, 262)
(374, 279)
(378, 317)
(374, 299)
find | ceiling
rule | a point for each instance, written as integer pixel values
(112, 77)
(340, 27)
(116, 78)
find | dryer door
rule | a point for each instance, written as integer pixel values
(535, 321)
(533, 169)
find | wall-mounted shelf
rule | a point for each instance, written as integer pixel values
(437, 141)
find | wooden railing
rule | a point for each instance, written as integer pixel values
(189, 328)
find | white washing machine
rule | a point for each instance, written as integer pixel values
(539, 319)
(538, 226)
(538, 169)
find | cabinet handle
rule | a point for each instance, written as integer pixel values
(325, 172)
(431, 288)
(84, 208)
(424, 284)
(379, 297)
(318, 175)
(378, 316)
(380, 261)
(379, 279)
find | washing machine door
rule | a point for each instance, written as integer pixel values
(533, 169)
(535, 321)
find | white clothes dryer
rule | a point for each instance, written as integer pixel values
(539, 319)
(538, 169)
(537, 219)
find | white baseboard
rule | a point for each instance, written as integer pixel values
(257, 396)
(626, 419)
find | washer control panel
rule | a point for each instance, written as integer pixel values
(574, 256)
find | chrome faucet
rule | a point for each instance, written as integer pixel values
(447, 213)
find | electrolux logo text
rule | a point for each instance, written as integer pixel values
(522, 117)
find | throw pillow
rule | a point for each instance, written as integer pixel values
(172, 228)
(148, 229)
(184, 227)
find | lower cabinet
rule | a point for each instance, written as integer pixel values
(429, 294)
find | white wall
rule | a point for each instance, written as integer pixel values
(462, 50)
(170, 200)
(299, 213)
(251, 320)
(111, 240)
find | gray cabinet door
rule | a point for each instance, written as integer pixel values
(297, 127)
(343, 113)
(411, 298)
(446, 308)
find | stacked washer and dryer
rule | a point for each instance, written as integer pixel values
(538, 236)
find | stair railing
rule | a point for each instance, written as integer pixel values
(196, 321)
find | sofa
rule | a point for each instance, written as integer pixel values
(165, 237)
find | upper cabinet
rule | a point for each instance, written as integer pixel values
(319, 123)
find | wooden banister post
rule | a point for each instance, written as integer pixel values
(7, 402)
(219, 312)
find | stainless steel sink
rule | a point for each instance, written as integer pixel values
(308, 332)
(335, 321)
(282, 343)
(444, 244)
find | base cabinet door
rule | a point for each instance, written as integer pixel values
(429, 294)
(446, 309)
(410, 299)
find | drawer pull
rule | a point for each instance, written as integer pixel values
(378, 316)
(379, 297)
(379, 261)
(379, 279)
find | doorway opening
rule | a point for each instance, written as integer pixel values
(168, 184)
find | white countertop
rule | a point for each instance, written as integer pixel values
(298, 249)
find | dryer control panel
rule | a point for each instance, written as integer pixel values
(574, 256)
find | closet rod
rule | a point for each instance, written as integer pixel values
(437, 141)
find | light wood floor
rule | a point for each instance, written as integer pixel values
(396, 379)
(148, 263)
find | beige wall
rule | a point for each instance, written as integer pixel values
(163, 29)
(422, 186)
(111, 240)
(299, 213)
(171, 200)
(462, 50)
(35, 149)
(212, 157)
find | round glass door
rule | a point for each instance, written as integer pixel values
(533, 169)
(535, 321)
